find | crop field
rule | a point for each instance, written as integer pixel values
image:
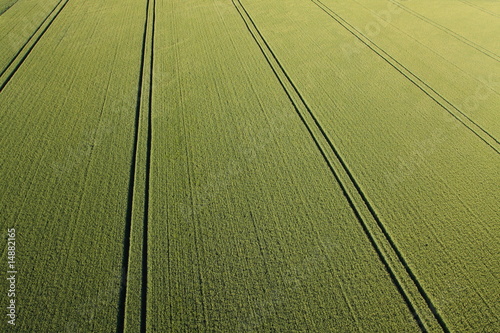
(250, 166)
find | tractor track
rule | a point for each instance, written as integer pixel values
(11, 69)
(439, 99)
(2, 11)
(450, 32)
(407, 284)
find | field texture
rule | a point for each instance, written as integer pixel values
(250, 165)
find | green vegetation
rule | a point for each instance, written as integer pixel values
(5, 5)
(21, 24)
(252, 165)
(67, 118)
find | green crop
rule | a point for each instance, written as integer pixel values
(250, 165)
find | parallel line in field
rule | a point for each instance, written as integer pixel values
(198, 244)
(374, 230)
(438, 98)
(450, 32)
(480, 8)
(143, 105)
(144, 289)
(395, 27)
(23, 53)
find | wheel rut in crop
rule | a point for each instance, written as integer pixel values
(450, 32)
(23, 53)
(479, 8)
(438, 98)
(144, 293)
(407, 284)
(139, 181)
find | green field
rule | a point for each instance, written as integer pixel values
(250, 165)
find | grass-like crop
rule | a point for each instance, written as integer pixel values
(431, 180)
(20, 24)
(251, 165)
(5, 5)
(67, 118)
(248, 230)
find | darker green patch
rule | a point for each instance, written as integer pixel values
(5, 5)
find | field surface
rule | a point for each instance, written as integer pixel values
(250, 165)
